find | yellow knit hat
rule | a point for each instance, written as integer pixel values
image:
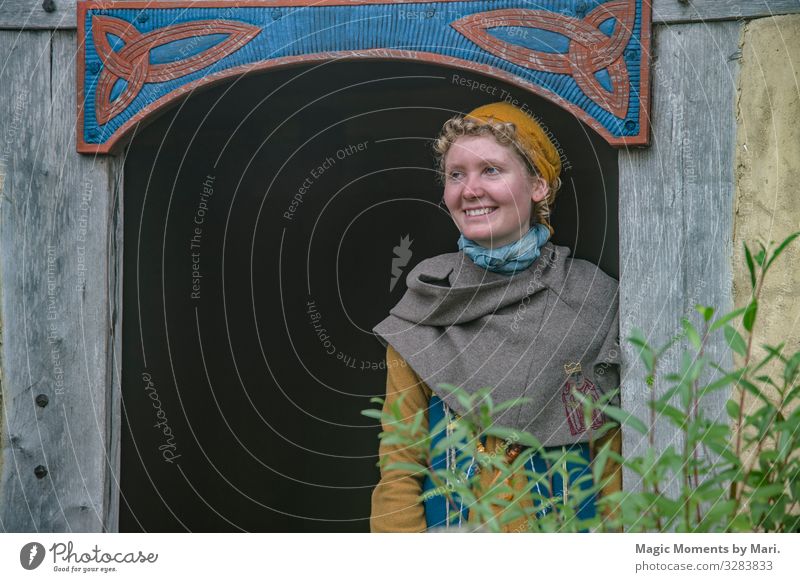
(533, 140)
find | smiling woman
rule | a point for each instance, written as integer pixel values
(490, 178)
(459, 321)
(488, 191)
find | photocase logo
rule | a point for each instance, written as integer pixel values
(31, 555)
(402, 254)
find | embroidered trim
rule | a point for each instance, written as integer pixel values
(572, 407)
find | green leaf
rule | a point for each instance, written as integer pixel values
(754, 390)
(766, 491)
(691, 333)
(645, 352)
(741, 523)
(790, 371)
(750, 266)
(724, 450)
(625, 418)
(721, 510)
(599, 462)
(466, 400)
(665, 348)
(705, 311)
(759, 258)
(725, 319)
(418, 418)
(671, 392)
(722, 382)
(394, 407)
(786, 242)
(514, 436)
(735, 340)
(677, 416)
(750, 315)
(793, 395)
(772, 353)
(372, 413)
(766, 380)
(733, 409)
(637, 337)
(648, 359)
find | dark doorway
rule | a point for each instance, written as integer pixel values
(258, 213)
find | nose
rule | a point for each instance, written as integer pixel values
(472, 186)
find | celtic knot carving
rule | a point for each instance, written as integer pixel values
(590, 50)
(132, 63)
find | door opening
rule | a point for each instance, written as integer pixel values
(261, 222)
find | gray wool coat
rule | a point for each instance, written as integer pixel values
(461, 324)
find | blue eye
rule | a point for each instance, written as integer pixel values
(492, 170)
(454, 176)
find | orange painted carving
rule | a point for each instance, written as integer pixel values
(132, 61)
(590, 50)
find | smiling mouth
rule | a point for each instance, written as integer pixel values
(480, 211)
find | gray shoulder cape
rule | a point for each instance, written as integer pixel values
(463, 325)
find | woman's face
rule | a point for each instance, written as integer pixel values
(489, 191)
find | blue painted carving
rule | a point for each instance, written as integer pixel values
(295, 31)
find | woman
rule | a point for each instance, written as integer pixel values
(510, 310)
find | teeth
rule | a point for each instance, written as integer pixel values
(479, 211)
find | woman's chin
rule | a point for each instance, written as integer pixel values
(484, 237)
(477, 233)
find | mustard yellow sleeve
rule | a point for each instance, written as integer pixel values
(395, 500)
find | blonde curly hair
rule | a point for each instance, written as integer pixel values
(506, 134)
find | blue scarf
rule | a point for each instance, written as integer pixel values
(510, 258)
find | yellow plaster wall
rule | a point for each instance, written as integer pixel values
(767, 173)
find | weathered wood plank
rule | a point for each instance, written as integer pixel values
(60, 14)
(111, 486)
(676, 209)
(31, 14)
(55, 212)
(675, 11)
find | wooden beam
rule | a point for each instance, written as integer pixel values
(676, 11)
(60, 291)
(676, 211)
(60, 14)
(32, 15)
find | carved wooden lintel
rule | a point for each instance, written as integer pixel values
(591, 58)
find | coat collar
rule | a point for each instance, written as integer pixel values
(450, 289)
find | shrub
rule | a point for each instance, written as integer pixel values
(739, 480)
